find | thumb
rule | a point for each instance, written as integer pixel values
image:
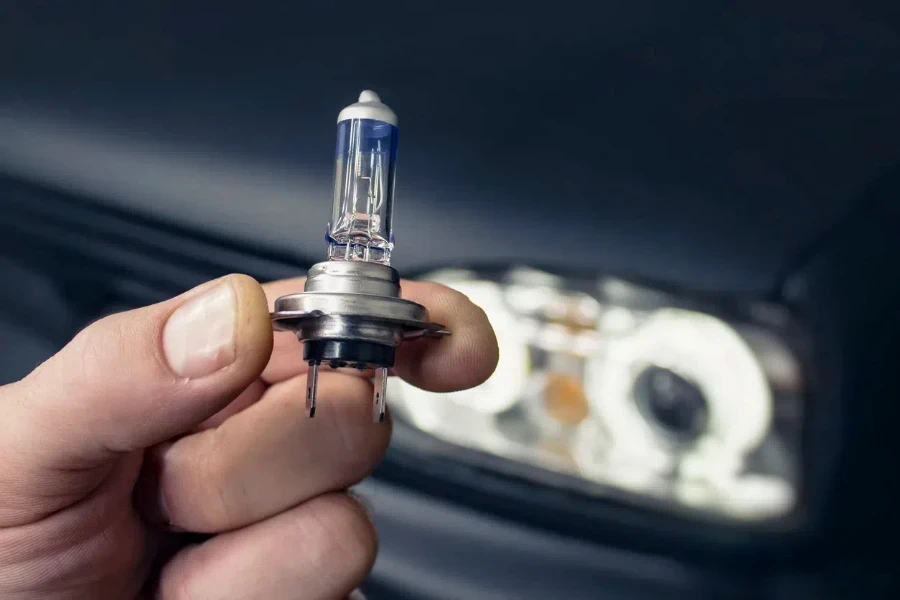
(133, 379)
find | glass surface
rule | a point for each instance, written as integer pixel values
(360, 226)
(625, 388)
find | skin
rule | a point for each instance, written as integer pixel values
(111, 463)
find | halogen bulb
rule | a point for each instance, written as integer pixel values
(360, 226)
(350, 313)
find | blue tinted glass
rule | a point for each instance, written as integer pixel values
(374, 136)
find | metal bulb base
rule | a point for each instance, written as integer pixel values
(350, 314)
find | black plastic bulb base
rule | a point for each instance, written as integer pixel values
(348, 353)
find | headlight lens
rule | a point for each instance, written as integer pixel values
(630, 389)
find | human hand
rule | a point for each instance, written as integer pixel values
(182, 417)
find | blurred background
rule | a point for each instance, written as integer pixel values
(680, 219)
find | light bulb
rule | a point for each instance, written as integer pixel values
(360, 226)
(350, 313)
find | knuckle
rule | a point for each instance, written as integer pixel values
(88, 347)
(353, 540)
(112, 342)
(362, 534)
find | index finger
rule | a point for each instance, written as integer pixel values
(464, 359)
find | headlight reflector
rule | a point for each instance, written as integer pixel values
(629, 389)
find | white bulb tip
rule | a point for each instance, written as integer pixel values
(369, 96)
(369, 106)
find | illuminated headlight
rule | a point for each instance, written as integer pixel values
(625, 389)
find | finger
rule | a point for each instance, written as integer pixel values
(322, 549)
(135, 378)
(462, 360)
(270, 457)
(247, 398)
(287, 352)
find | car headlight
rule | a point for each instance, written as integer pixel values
(627, 390)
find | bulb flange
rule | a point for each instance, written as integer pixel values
(350, 314)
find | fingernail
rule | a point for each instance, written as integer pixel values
(356, 595)
(198, 338)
